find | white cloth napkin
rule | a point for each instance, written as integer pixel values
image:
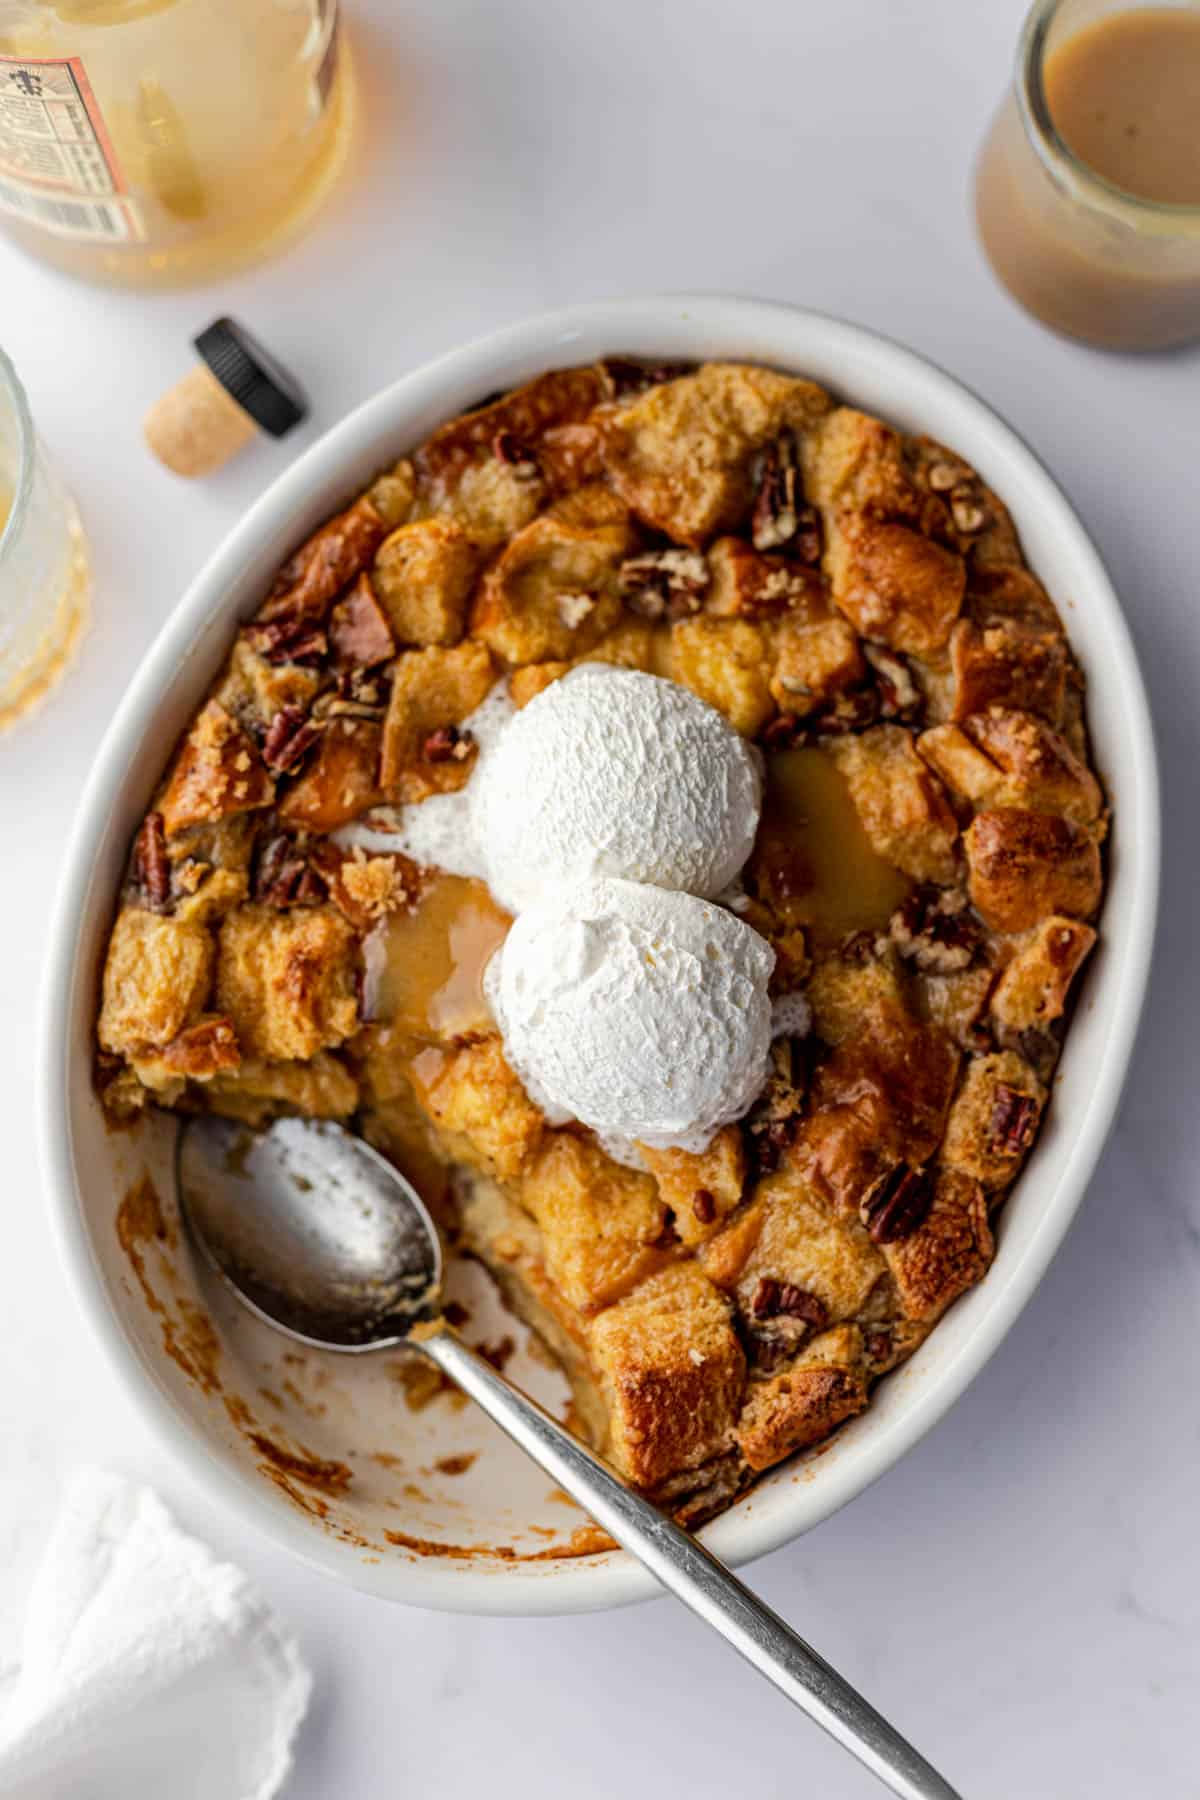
(149, 1669)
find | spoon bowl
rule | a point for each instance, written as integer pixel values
(312, 1229)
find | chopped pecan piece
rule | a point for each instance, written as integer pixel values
(1014, 1121)
(449, 743)
(767, 1141)
(151, 869)
(664, 582)
(899, 696)
(965, 509)
(289, 640)
(776, 504)
(628, 376)
(781, 520)
(359, 632)
(284, 877)
(785, 731)
(510, 449)
(897, 1204)
(290, 736)
(935, 929)
(852, 711)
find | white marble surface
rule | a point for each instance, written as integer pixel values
(1021, 1593)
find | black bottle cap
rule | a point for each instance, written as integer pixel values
(273, 398)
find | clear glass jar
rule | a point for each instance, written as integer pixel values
(162, 141)
(1082, 255)
(44, 581)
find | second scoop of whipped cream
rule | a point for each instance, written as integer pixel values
(640, 1012)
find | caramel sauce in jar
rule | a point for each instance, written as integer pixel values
(813, 861)
(1088, 187)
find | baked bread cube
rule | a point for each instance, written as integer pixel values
(804, 1402)
(670, 1365)
(339, 781)
(724, 661)
(217, 772)
(157, 976)
(287, 980)
(682, 454)
(326, 563)
(950, 1250)
(1007, 664)
(994, 1119)
(433, 691)
(900, 802)
(554, 591)
(890, 551)
(1032, 992)
(482, 1112)
(700, 1189)
(1003, 757)
(257, 1092)
(1025, 866)
(604, 1227)
(423, 576)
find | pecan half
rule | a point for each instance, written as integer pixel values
(1014, 1121)
(781, 519)
(151, 866)
(290, 736)
(899, 696)
(897, 1204)
(449, 743)
(670, 582)
(773, 1299)
(936, 929)
(289, 640)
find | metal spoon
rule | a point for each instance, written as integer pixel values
(324, 1239)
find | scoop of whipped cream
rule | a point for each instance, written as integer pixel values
(638, 1011)
(613, 772)
(605, 772)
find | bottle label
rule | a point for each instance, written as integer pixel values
(58, 169)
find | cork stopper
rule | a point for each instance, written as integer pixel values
(195, 427)
(233, 392)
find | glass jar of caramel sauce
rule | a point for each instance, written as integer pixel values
(1087, 189)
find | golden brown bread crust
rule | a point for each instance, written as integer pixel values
(1024, 866)
(830, 585)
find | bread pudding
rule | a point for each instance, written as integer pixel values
(926, 871)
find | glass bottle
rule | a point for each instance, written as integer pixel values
(1086, 257)
(161, 141)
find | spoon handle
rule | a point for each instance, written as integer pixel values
(693, 1575)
